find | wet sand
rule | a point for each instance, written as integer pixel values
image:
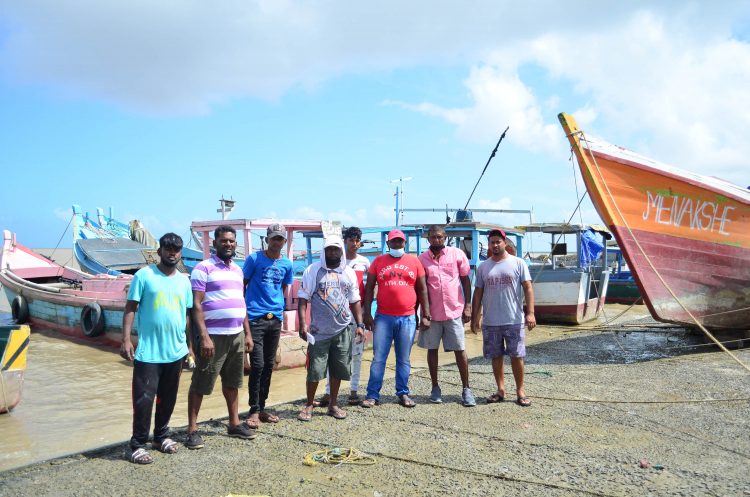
(602, 403)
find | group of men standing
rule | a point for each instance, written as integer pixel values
(237, 311)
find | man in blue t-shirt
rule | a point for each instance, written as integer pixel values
(161, 296)
(267, 274)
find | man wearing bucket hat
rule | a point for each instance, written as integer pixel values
(331, 287)
(267, 273)
(400, 280)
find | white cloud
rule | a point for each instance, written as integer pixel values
(358, 217)
(306, 212)
(664, 78)
(665, 89)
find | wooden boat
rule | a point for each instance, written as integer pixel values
(14, 344)
(567, 290)
(105, 246)
(61, 298)
(685, 237)
(622, 287)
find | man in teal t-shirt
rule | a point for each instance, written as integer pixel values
(161, 296)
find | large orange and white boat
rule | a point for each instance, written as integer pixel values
(685, 237)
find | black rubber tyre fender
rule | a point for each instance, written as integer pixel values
(20, 309)
(92, 320)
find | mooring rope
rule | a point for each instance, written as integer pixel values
(648, 259)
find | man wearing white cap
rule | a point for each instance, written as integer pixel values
(331, 287)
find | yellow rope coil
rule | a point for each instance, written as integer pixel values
(337, 455)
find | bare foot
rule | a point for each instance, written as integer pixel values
(267, 417)
(253, 421)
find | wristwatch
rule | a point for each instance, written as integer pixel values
(361, 325)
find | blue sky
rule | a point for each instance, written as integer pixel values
(302, 110)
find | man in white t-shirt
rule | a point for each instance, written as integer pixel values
(360, 264)
(502, 284)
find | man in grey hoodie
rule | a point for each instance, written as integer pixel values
(331, 288)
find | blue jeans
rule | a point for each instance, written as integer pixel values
(400, 331)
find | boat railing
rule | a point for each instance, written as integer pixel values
(30, 284)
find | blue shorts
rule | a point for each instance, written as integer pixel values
(504, 340)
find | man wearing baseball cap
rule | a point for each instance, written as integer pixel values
(400, 279)
(266, 274)
(503, 284)
(331, 287)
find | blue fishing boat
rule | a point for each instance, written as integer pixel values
(107, 246)
(622, 286)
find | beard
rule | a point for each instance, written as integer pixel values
(437, 248)
(333, 262)
(226, 255)
(169, 263)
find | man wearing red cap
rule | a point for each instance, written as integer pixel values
(502, 285)
(400, 279)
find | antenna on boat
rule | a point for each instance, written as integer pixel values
(485, 167)
(400, 198)
(226, 207)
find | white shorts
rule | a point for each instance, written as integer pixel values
(451, 331)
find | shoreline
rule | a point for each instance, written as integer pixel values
(598, 411)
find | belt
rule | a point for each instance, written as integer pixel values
(269, 316)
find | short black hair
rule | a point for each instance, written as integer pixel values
(224, 228)
(352, 232)
(170, 241)
(436, 228)
(496, 232)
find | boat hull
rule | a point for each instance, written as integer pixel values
(14, 347)
(62, 313)
(708, 280)
(565, 296)
(685, 237)
(623, 291)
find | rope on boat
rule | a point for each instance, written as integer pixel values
(648, 259)
(61, 237)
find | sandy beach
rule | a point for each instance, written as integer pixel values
(644, 410)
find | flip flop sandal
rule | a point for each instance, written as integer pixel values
(405, 401)
(337, 413)
(523, 401)
(354, 400)
(494, 398)
(167, 446)
(322, 402)
(368, 403)
(141, 456)
(305, 415)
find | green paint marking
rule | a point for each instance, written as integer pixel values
(731, 244)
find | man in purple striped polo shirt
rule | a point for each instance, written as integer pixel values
(224, 334)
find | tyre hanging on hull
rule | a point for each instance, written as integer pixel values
(19, 308)
(92, 320)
